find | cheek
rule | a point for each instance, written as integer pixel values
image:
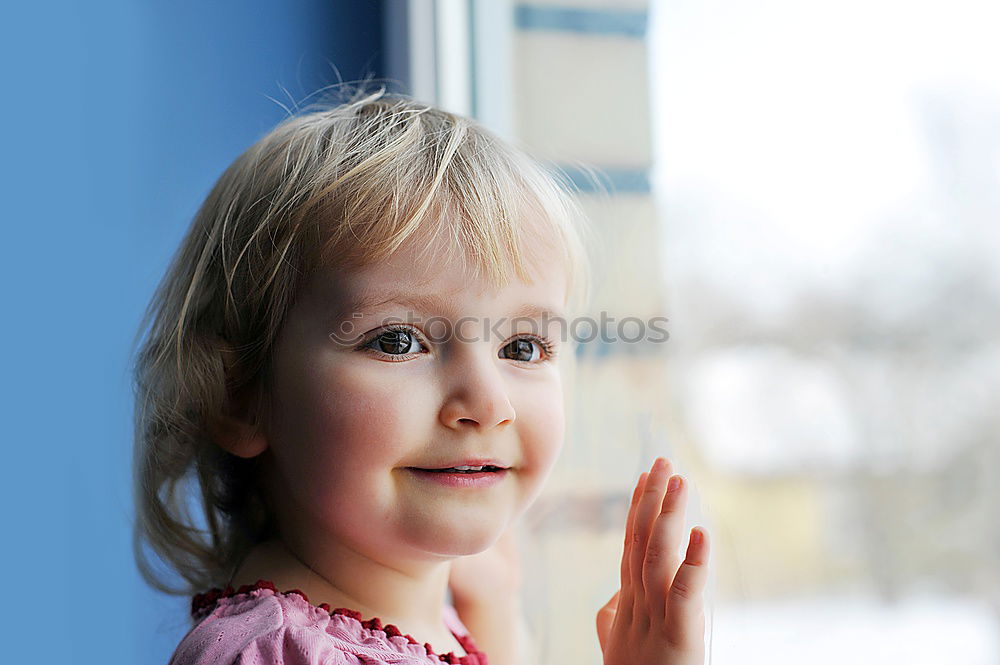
(368, 418)
(544, 423)
(340, 422)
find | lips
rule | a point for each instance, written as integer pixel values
(468, 480)
(466, 465)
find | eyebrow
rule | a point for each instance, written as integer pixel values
(431, 303)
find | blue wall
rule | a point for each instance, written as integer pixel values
(117, 118)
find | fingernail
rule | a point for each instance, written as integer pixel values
(659, 463)
(673, 483)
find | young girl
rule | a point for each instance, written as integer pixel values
(354, 357)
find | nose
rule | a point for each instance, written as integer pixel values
(477, 395)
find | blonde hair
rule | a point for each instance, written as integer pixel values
(342, 186)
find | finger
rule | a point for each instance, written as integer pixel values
(628, 590)
(606, 619)
(629, 522)
(685, 610)
(646, 511)
(663, 556)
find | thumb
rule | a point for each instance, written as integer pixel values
(606, 618)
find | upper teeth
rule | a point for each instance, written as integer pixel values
(468, 468)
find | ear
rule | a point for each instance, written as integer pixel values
(232, 430)
(237, 436)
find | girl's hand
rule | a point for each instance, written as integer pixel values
(492, 572)
(657, 616)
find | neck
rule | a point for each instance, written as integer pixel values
(410, 597)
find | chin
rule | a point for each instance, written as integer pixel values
(465, 543)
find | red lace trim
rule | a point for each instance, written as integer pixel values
(204, 602)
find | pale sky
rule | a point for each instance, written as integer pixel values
(799, 131)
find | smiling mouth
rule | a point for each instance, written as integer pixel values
(456, 478)
(466, 470)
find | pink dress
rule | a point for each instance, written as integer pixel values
(257, 624)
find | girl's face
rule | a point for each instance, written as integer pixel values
(353, 419)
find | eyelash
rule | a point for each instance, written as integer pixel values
(547, 347)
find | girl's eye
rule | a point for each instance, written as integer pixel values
(522, 350)
(395, 341)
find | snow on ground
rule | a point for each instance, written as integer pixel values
(824, 631)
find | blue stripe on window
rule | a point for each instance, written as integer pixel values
(586, 21)
(599, 349)
(615, 180)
